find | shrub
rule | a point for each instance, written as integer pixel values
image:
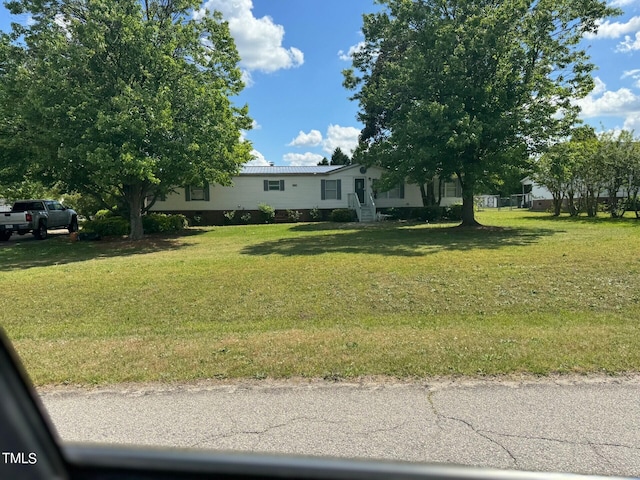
(341, 215)
(229, 216)
(102, 214)
(315, 214)
(432, 213)
(294, 215)
(117, 226)
(453, 212)
(246, 218)
(160, 223)
(107, 226)
(267, 212)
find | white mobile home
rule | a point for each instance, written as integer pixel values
(304, 189)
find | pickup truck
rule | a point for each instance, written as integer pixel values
(36, 216)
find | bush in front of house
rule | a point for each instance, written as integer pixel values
(453, 212)
(229, 216)
(294, 215)
(106, 227)
(117, 226)
(315, 214)
(267, 213)
(161, 223)
(431, 213)
(102, 214)
(341, 215)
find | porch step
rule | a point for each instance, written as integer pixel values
(366, 215)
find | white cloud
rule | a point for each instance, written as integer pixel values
(632, 122)
(258, 160)
(599, 87)
(603, 102)
(629, 44)
(302, 159)
(621, 3)
(348, 56)
(344, 137)
(609, 29)
(635, 74)
(259, 40)
(311, 139)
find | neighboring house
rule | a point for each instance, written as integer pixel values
(539, 197)
(304, 189)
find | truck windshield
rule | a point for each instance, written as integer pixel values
(25, 206)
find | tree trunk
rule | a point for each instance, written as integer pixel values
(557, 206)
(134, 200)
(423, 194)
(468, 212)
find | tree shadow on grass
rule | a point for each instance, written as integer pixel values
(628, 219)
(399, 240)
(21, 253)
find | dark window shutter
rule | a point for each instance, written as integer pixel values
(282, 185)
(266, 185)
(187, 193)
(206, 191)
(339, 187)
(323, 195)
(402, 190)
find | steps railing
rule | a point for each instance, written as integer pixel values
(354, 204)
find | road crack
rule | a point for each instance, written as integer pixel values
(234, 433)
(471, 426)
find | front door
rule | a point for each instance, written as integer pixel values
(360, 189)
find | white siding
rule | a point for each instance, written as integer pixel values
(301, 191)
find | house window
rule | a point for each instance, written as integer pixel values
(451, 189)
(395, 192)
(197, 193)
(331, 189)
(274, 185)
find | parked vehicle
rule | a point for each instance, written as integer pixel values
(37, 216)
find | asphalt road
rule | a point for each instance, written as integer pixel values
(580, 424)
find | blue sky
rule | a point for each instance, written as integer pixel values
(294, 51)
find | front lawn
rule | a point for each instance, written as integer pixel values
(539, 295)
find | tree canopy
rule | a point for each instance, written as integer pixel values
(466, 88)
(338, 157)
(123, 99)
(584, 167)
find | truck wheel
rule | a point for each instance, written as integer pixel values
(41, 232)
(73, 226)
(4, 236)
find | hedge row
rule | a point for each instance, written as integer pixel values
(154, 223)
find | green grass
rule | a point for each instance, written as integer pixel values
(538, 295)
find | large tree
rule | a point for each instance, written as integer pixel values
(464, 88)
(128, 98)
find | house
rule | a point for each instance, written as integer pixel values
(539, 198)
(304, 188)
